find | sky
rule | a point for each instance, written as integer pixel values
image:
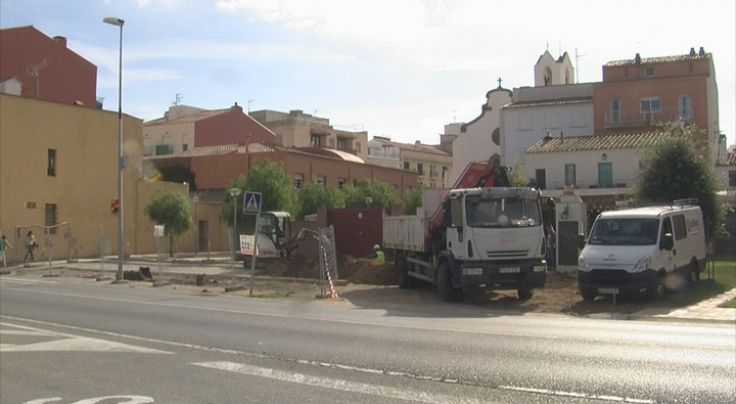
(396, 68)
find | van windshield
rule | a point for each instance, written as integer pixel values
(502, 212)
(624, 232)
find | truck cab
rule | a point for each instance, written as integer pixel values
(495, 239)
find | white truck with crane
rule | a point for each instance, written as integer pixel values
(482, 234)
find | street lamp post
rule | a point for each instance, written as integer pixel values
(119, 23)
(234, 192)
(195, 199)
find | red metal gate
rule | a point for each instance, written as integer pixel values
(356, 230)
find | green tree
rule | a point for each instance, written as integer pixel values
(315, 196)
(370, 193)
(268, 178)
(413, 199)
(675, 169)
(170, 209)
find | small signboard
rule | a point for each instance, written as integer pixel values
(158, 230)
(252, 203)
(246, 244)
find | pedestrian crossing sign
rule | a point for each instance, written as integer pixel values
(252, 203)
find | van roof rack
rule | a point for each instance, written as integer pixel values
(686, 202)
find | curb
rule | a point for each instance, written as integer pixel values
(339, 282)
(639, 317)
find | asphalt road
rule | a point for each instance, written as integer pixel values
(78, 343)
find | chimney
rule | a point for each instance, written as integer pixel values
(692, 52)
(562, 136)
(701, 52)
(236, 106)
(61, 40)
(547, 137)
(637, 58)
(417, 142)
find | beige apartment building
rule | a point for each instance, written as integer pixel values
(432, 164)
(58, 164)
(297, 129)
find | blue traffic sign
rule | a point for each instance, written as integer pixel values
(252, 203)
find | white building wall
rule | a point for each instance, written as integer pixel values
(624, 163)
(523, 127)
(475, 143)
(11, 86)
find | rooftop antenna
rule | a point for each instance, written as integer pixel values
(249, 101)
(35, 72)
(577, 71)
(177, 99)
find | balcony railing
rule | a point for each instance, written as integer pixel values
(593, 184)
(636, 118)
(384, 153)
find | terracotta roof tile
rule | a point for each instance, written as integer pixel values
(658, 59)
(599, 142)
(550, 103)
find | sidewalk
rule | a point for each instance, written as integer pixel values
(707, 310)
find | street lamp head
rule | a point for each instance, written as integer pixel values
(234, 192)
(118, 22)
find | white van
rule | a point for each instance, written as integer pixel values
(642, 251)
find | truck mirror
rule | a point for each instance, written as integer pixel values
(668, 242)
(581, 240)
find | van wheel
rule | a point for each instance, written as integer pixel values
(693, 275)
(524, 294)
(658, 291)
(447, 291)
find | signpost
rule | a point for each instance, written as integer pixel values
(252, 206)
(159, 230)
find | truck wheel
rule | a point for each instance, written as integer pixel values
(447, 291)
(524, 294)
(587, 296)
(405, 281)
(658, 290)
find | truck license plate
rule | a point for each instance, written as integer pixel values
(608, 291)
(509, 270)
(473, 271)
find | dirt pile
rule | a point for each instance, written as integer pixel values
(363, 270)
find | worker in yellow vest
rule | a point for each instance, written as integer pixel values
(378, 257)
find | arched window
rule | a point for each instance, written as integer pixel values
(496, 136)
(567, 76)
(547, 76)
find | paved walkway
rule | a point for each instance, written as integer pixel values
(707, 309)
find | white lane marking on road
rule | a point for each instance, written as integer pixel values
(335, 384)
(131, 400)
(24, 280)
(43, 400)
(577, 395)
(241, 353)
(70, 343)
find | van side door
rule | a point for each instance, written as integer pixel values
(666, 256)
(682, 250)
